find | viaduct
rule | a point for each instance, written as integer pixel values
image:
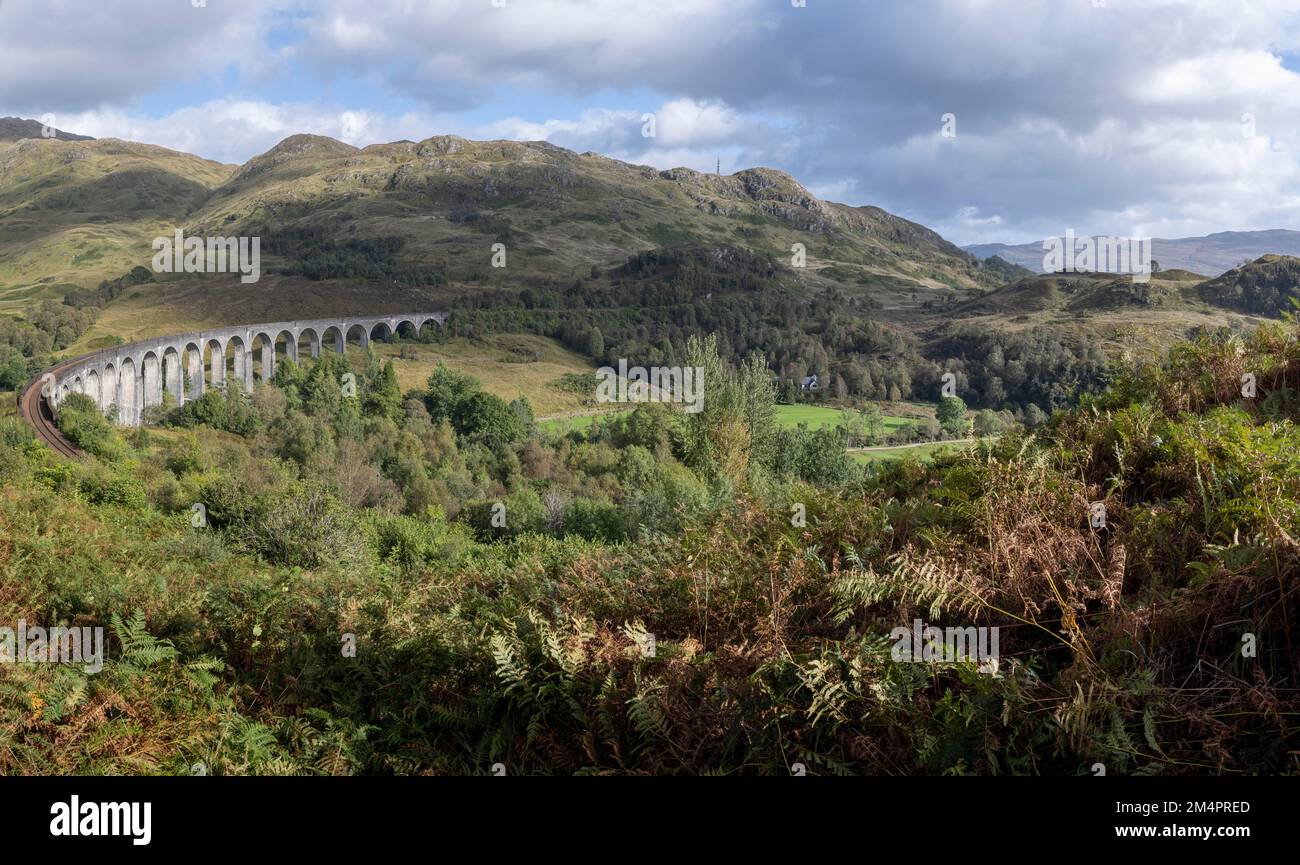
(134, 376)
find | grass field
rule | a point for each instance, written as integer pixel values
(820, 417)
(816, 417)
(924, 452)
(580, 422)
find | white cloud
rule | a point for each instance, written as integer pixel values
(843, 189)
(234, 130)
(65, 56)
(680, 132)
(1067, 114)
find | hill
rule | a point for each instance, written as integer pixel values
(1212, 255)
(442, 203)
(1041, 342)
(1086, 293)
(75, 212)
(427, 213)
(1006, 270)
(1266, 286)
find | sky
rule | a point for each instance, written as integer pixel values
(987, 120)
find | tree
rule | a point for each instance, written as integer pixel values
(596, 344)
(81, 421)
(524, 409)
(321, 388)
(873, 423)
(987, 423)
(384, 397)
(301, 437)
(649, 426)
(789, 394)
(867, 387)
(446, 391)
(737, 424)
(489, 420)
(817, 456)
(1034, 416)
(952, 415)
(13, 368)
(759, 399)
(697, 443)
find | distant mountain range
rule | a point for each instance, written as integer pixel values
(1212, 255)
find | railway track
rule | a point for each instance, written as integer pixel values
(36, 410)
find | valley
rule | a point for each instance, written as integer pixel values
(622, 389)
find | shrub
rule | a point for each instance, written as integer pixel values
(81, 421)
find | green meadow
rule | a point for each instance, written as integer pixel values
(922, 452)
(814, 416)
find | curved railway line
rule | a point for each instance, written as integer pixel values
(35, 409)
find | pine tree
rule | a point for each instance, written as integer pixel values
(384, 396)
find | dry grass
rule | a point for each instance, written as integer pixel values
(508, 365)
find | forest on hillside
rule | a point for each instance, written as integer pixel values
(647, 308)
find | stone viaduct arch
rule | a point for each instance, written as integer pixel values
(134, 377)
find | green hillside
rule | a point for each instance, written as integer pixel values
(1267, 286)
(435, 208)
(79, 212)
